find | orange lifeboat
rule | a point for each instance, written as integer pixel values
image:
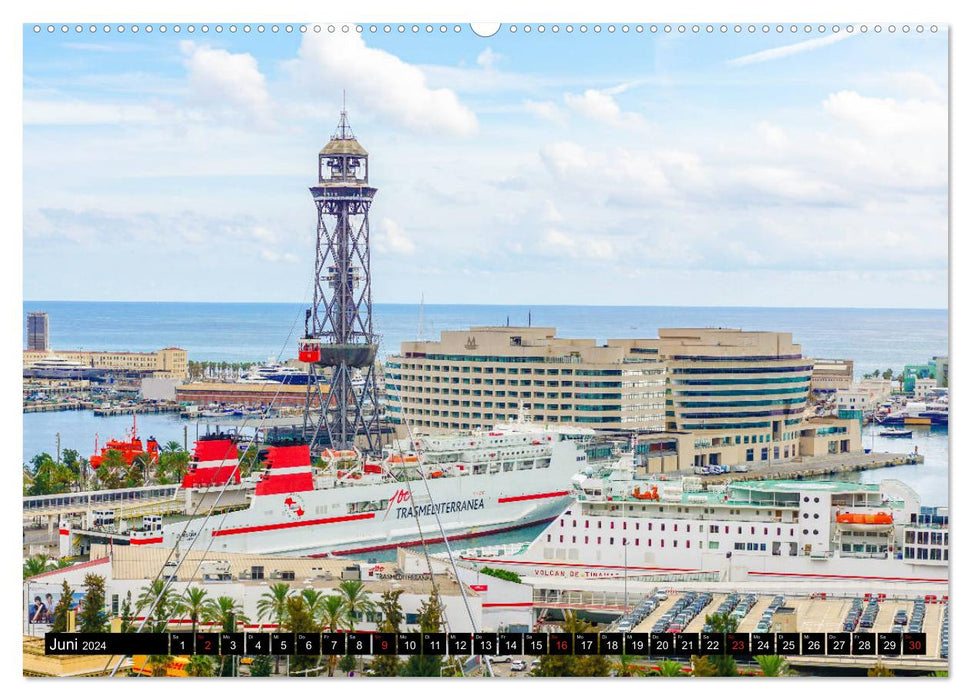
(646, 495)
(435, 475)
(865, 518)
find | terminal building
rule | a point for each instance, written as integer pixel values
(473, 379)
(695, 397)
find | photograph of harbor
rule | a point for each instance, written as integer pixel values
(489, 339)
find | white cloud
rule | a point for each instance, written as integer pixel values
(381, 83)
(549, 111)
(786, 51)
(77, 112)
(275, 256)
(230, 83)
(557, 243)
(393, 239)
(550, 213)
(886, 116)
(488, 58)
(600, 106)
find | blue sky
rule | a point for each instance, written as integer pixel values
(768, 169)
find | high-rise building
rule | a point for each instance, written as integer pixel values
(38, 331)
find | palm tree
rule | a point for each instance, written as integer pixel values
(146, 600)
(356, 600)
(35, 565)
(333, 619)
(229, 614)
(272, 605)
(670, 668)
(625, 669)
(701, 666)
(200, 666)
(159, 663)
(314, 600)
(144, 463)
(773, 665)
(173, 446)
(194, 602)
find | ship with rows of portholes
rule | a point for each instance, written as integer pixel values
(461, 485)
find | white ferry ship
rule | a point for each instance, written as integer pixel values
(477, 483)
(619, 525)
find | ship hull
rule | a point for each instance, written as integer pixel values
(371, 517)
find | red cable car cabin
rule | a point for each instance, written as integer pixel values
(309, 350)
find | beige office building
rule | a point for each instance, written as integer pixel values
(697, 396)
(474, 378)
(830, 376)
(168, 362)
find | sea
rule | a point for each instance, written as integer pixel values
(875, 339)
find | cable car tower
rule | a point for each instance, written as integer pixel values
(338, 332)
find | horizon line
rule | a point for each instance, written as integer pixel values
(515, 305)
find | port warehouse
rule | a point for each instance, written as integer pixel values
(700, 396)
(253, 395)
(497, 604)
(494, 603)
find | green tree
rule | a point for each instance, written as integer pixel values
(36, 565)
(229, 614)
(62, 608)
(389, 666)
(670, 668)
(262, 666)
(333, 619)
(357, 601)
(347, 663)
(773, 665)
(723, 622)
(626, 669)
(193, 603)
(200, 666)
(127, 616)
(888, 374)
(71, 460)
(879, 671)
(502, 573)
(159, 664)
(158, 617)
(429, 620)
(702, 667)
(299, 618)
(272, 605)
(92, 617)
(555, 666)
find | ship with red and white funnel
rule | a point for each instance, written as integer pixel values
(467, 485)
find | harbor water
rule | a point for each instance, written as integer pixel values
(873, 338)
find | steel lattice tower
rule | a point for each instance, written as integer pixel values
(338, 332)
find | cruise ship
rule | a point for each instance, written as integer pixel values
(59, 368)
(917, 413)
(475, 483)
(624, 524)
(274, 373)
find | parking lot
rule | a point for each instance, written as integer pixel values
(813, 614)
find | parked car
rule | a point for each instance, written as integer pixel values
(501, 659)
(740, 468)
(518, 665)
